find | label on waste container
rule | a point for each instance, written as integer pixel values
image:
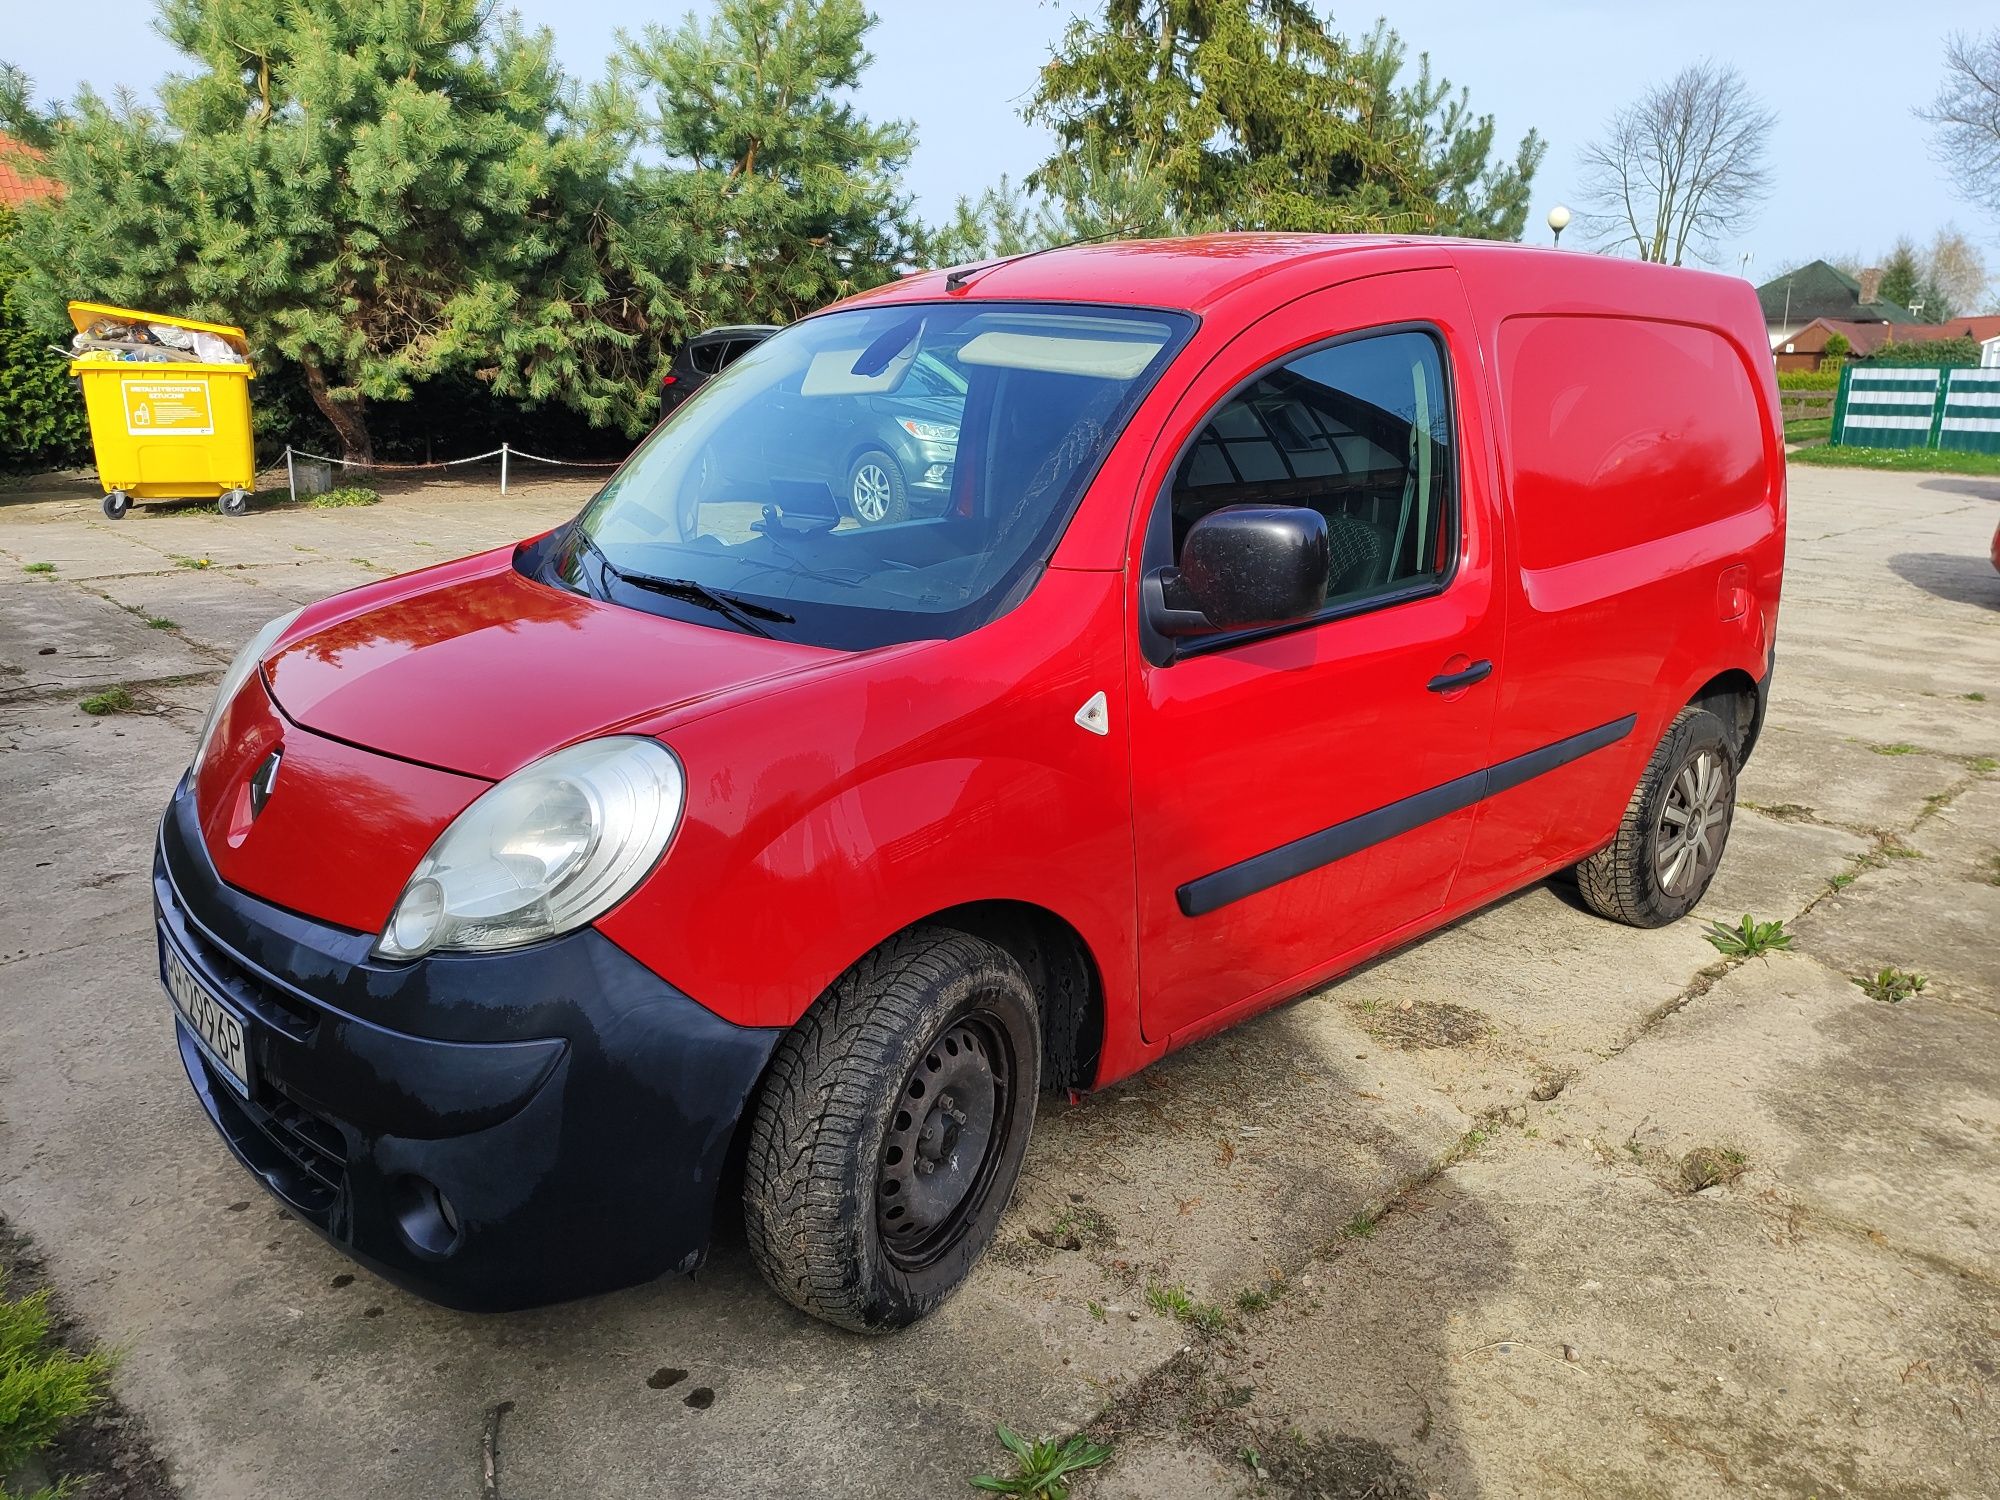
(178, 408)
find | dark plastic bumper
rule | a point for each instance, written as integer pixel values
(490, 1131)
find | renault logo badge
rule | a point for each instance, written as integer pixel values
(262, 780)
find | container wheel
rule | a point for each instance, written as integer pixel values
(235, 503)
(116, 504)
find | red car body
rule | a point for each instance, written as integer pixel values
(1619, 556)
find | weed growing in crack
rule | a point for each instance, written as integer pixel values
(1893, 986)
(1042, 1470)
(1712, 1166)
(1750, 938)
(113, 700)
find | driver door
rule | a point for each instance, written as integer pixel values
(1300, 790)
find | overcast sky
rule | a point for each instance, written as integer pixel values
(1850, 164)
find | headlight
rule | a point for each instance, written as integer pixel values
(930, 432)
(553, 846)
(240, 672)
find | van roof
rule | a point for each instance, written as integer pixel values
(1196, 273)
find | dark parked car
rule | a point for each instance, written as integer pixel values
(706, 354)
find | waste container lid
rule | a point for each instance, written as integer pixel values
(84, 314)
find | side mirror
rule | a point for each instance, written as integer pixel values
(1241, 566)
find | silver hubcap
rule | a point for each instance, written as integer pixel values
(871, 492)
(1688, 841)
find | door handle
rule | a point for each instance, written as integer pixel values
(1451, 682)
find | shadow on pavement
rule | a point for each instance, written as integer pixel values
(1962, 578)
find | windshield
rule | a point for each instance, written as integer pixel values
(886, 474)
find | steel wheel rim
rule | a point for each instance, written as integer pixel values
(1687, 840)
(950, 1128)
(871, 492)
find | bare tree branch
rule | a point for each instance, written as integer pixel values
(1965, 118)
(1680, 168)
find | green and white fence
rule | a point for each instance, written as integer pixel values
(1918, 406)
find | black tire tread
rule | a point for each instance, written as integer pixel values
(823, 1084)
(1618, 881)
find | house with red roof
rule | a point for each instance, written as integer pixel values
(21, 180)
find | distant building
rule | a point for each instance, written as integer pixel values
(21, 180)
(1818, 290)
(1804, 349)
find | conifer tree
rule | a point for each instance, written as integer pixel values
(763, 192)
(378, 190)
(1257, 114)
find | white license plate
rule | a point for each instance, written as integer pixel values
(210, 1020)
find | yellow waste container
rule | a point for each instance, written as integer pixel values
(169, 407)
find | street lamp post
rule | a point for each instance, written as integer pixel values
(1558, 222)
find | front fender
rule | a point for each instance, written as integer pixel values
(826, 816)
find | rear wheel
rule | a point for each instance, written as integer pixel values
(235, 503)
(1674, 830)
(877, 493)
(116, 504)
(891, 1130)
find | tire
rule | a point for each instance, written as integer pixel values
(843, 1217)
(877, 493)
(1652, 873)
(116, 504)
(235, 503)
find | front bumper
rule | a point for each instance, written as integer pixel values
(490, 1131)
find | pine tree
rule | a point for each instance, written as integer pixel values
(378, 190)
(771, 195)
(1099, 193)
(1259, 116)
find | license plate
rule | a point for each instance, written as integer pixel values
(218, 1029)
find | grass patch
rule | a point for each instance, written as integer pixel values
(1042, 1470)
(1712, 1166)
(1973, 697)
(1843, 880)
(1809, 430)
(1984, 764)
(352, 494)
(1993, 870)
(192, 562)
(1176, 1303)
(1899, 748)
(1892, 986)
(160, 622)
(113, 700)
(1899, 460)
(42, 1385)
(1359, 1227)
(38, 567)
(1750, 938)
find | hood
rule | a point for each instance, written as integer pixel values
(471, 667)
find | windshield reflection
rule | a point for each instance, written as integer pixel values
(871, 476)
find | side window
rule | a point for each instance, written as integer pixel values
(706, 358)
(1361, 433)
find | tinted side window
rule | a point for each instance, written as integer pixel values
(1361, 433)
(706, 358)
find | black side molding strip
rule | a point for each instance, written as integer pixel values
(1289, 861)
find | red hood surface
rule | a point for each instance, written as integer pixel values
(471, 667)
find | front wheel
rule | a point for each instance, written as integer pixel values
(235, 503)
(891, 1130)
(116, 504)
(877, 493)
(1674, 831)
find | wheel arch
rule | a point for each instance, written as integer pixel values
(1063, 973)
(1735, 698)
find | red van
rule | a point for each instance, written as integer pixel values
(1293, 597)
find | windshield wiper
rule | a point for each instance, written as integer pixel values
(742, 613)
